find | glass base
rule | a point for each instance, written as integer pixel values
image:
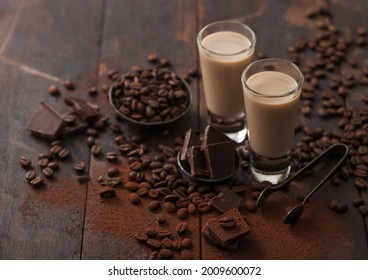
(271, 170)
(234, 128)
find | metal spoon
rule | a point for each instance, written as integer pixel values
(333, 158)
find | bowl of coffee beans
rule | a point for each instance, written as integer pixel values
(150, 97)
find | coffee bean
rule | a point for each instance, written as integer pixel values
(360, 183)
(358, 201)
(112, 172)
(192, 209)
(95, 149)
(227, 222)
(332, 205)
(154, 256)
(153, 244)
(186, 255)
(131, 186)
(150, 232)
(141, 238)
(142, 191)
(341, 207)
(43, 162)
(70, 118)
(166, 254)
(64, 153)
(170, 207)
(24, 161)
(152, 57)
(167, 243)
(80, 166)
(136, 166)
(154, 205)
(182, 213)
(53, 90)
(186, 243)
(363, 209)
(134, 198)
(111, 156)
(48, 172)
(92, 90)
(68, 84)
(45, 155)
(181, 228)
(197, 200)
(163, 233)
(154, 194)
(53, 165)
(204, 207)
(250, 205)
(37, 181)
(56, 149)
(30, 175)
(107, 192)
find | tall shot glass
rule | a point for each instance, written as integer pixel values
(225, 49)
(272, 89)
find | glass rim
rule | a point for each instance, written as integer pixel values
(298, 87)
(251, 40)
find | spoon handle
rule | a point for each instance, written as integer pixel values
(339, 149)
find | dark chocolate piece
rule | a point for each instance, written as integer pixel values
(225, 201)
(207, 235)
(227, 235)
(78, 126)
(191, 139)
(197, 162)
(83, 109)
(46, 122)
(220, 159)
(213, 136)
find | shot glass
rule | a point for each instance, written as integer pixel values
(225, 49)
(272, 89)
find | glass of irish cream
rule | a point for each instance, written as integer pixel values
(272, 89)
(225, 49)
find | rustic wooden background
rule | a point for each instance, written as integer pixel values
(43, 42)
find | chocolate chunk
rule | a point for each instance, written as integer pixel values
(232, 246)
(191, 139)
(227, 235)
(78, 126)
(197, 162)
(83, 109)
(225, 201)
(227, 222)
(213, 136)
(220, 159)
(107, 192)
(46, 122)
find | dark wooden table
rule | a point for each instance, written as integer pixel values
(44, 42)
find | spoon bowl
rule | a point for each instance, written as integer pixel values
(294, 214)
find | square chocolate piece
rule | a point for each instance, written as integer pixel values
(225, 201)
(220, 159)
(227, 235)
(197, 162)
(77, 127)
(46, 122)
(207, 235)
(191, 139)
(213, 136)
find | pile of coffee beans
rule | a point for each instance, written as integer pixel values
(151, 95)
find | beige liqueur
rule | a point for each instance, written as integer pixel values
(222, 64)
(271, 119)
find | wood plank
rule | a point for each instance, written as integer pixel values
(269, 236)
(45, 223)
(132, 31)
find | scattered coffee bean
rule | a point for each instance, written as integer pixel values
(48, 172)
(152, 57)
(204, 207)
(166, 253)
(134, 198)
(186, 243)
(163, 233)
(151, 232)
(96, 149)
(167, 243)
(360, 183)
(142, 192)
(56, 149)
(181, 228)
(250, 205)
(332, 205)
(341, 207)
(53, 90)
(80, 166)
(24, 161)
(30, 175)
(182, 213)
(43, 162)
(153, 244)
(36, 181)
(154, 205)
(68, 84)
(192, 209)
(227, 222)
(131, 186)
(141, 238)
(112, 172)
(160, 219)
(358, 201)
(170, 207)
(112, 156)
(92, 90)
(53, 165)
(64, 153)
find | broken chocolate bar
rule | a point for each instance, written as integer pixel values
(83, 109)
(46, 122)
(197, 162)
(227, 235)
(207, 235)
(225, 201)
(78, 126)
(220, 159)
(191, 139)
(213, 136)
